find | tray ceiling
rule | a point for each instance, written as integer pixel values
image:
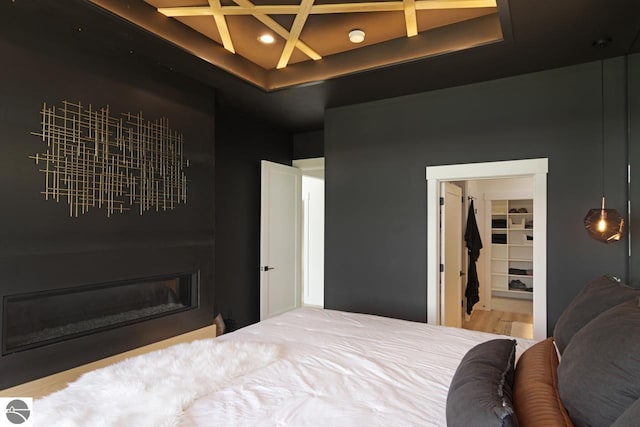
(311, 38)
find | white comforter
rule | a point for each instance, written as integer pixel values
(342, 369)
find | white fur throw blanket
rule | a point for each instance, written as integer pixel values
(152, 389)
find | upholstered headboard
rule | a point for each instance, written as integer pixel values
(597, 381)
(535, 388)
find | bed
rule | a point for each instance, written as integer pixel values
(317, 367)
(342, 369)
(332, 368)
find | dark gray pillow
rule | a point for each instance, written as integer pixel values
(597, 296)
(599, 374)
(480, 394)
(630, 417)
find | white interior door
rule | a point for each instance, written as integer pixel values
(451, 242)
(280, 238)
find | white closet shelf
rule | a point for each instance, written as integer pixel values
(512, 294)
(515, 245)
(513, 229)
(516, 251)
(511, 275)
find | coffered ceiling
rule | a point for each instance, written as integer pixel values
(536, 35)
(310, 38)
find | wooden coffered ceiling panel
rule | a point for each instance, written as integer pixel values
(311, 37)
(328, 33)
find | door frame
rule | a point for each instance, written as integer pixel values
(538, 169)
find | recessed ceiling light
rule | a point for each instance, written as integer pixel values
(356, 36)
(266, 38)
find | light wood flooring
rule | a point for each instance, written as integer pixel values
(497, 322)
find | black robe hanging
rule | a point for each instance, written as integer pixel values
(474, 244)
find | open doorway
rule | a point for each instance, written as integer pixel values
(504, 214)
(532, 266)
(313, 230)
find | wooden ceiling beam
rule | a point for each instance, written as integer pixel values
(280, 30)
(277, 9)
(410, 17)
(294, 34)
(173, 12)
(318, 9)
(302, 11)
(454, 4)
(221, 23)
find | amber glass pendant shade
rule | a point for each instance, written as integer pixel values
(603, 224)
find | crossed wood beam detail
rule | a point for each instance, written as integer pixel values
(306, 8)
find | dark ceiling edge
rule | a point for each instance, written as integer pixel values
(438, 41)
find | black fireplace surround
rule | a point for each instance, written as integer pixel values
(36, 319)
(73, 309)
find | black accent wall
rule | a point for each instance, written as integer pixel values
(308, 145)
(242, 141)
(376, 239)
(41, 247)
(634, 159)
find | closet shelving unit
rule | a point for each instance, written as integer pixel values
(511, 247)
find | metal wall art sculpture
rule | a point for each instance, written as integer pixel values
(96, 160)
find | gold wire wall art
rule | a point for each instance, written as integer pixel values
(93, 159)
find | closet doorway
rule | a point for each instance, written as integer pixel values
(504, 211)
(507, 271)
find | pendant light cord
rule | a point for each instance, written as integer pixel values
(602, 121)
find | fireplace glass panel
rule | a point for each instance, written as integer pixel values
(33, 320)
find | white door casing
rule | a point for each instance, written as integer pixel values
(280, 239)
(451, 255)
(537, 169)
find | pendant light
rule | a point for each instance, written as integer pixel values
(603, 224)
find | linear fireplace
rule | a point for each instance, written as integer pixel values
(37, 319)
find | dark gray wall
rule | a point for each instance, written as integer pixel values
(634, 160)
(41, 247)
(308, 145)
(375, 256)
(241, 142)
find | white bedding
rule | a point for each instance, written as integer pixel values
(342, 369)
(151, 390)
